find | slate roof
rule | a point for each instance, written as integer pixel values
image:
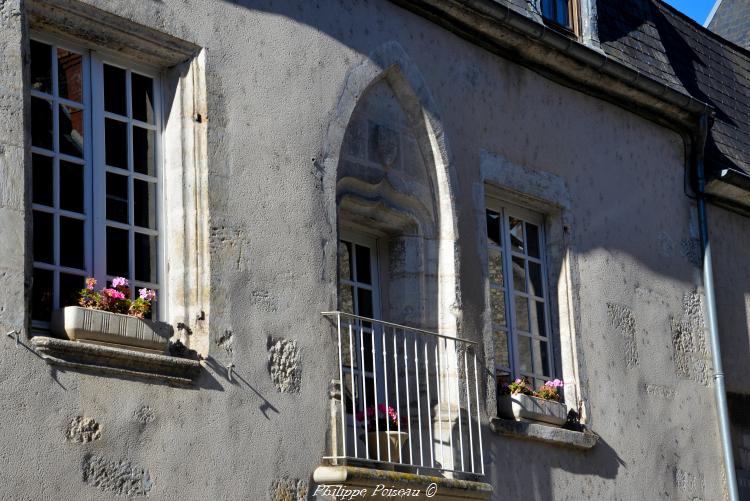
(731, 20)
(671, 48)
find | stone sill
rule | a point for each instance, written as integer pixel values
(101, 359)
(544, 433)
(368, 478)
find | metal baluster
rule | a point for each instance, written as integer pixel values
(341, 385)
(468, 412)
(408, 400)
(375, 388)
(429, 403)
(419, 404)
(440, 404)
(385, 384)
(354, 389)
(450, 414)
(364, 386)
(458, 406)
(476, 393)
(398, 400)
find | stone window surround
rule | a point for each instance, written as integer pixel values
(547, 194)
(184, 151)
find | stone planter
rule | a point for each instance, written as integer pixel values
(393, 440)
(528, 408)
(85, 324)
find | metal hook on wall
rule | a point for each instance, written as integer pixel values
(14, 333)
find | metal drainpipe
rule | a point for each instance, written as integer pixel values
(713, 326)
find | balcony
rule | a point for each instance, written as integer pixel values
(404, 400)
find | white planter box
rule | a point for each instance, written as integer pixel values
(85, 324)
(528, 408)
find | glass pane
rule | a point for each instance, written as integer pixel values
(145, 257)
(117, 198)
(144, 200)
(345, 261)
(71, 186)
(41, 295)
(538, 325)
(363, 265)
(535, 279)
(69, 75)
(41, 123)
(522, 314)
(524, 354)
(548, 9)
(142, 93)
(118, 253)
(72, 243)
(346, 299)
(41, 67)
(71, 130)
(519, 274)
(497, 306)
(364, 303)
(562, 12)
(70, 287)
(532, 240)
(114, 90)
(116, 143)
(496, 267)
(41, 173)
(143, 151)
(43, 237)
(541, 358)
(493, 227)
(501, 349)
(516, 234)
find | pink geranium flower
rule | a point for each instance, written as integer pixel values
(147, 294)
(114, 294)
(119, 282)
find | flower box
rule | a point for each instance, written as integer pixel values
(527, 408)
(86, 324)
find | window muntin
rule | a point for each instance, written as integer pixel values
(76, 233)
(558, 11)
(518, 295)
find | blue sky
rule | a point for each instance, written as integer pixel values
(697, 9)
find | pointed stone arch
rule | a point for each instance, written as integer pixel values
(390, 64)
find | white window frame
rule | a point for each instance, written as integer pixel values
(95, 177)
(507, 210)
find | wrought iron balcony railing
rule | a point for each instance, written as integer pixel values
(406, 397)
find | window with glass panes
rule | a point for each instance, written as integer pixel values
(95, 179)
(559, 11)
(518, 295)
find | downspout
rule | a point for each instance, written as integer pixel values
(713, 326)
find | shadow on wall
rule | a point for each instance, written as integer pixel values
(635, 213)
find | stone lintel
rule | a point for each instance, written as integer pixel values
(112, 360)
(544, 433)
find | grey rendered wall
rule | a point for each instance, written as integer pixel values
(275, 72)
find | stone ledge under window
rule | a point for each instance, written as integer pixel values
(543, 433)
(116, 361)
(368, 478)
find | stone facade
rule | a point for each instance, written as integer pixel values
(289, 120)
